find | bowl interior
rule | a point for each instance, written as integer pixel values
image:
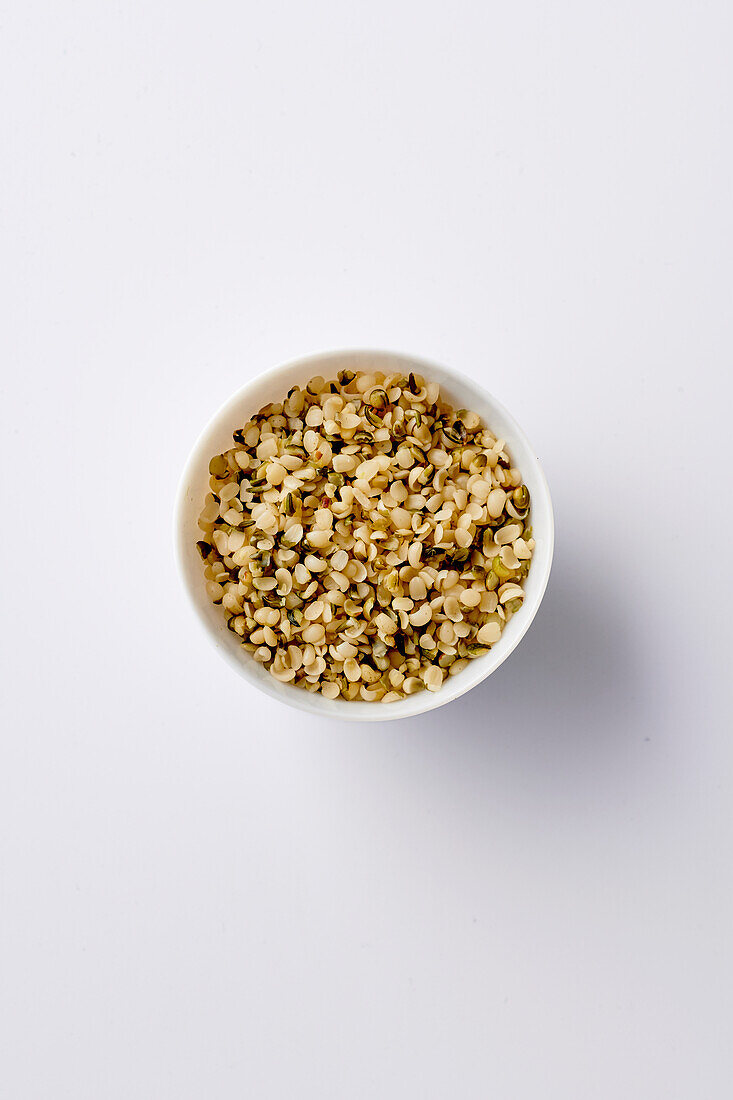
(272, 386)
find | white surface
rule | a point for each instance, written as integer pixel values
(460, 392)
(528, 893)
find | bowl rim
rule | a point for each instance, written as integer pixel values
(313, 702)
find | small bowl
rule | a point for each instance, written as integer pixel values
(271, 386)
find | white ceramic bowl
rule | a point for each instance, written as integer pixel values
(271, 386)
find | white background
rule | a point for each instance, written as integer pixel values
(526, 894)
